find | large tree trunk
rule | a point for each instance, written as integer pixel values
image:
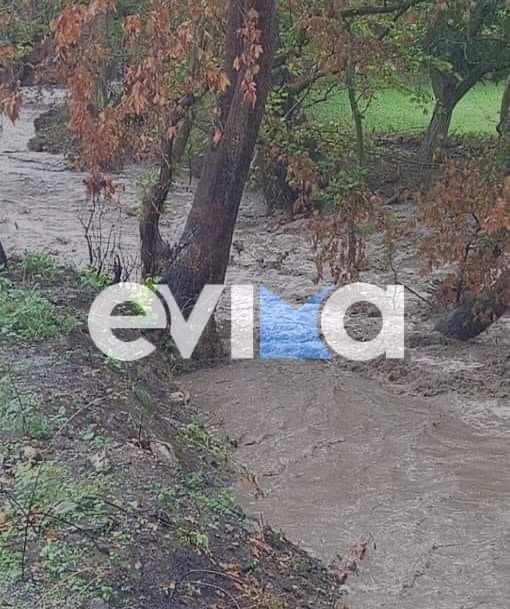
(437, 131)
(203, 252)
(475, 315)
(447, 94)
(503, 154)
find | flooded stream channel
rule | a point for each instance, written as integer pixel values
(411, 457)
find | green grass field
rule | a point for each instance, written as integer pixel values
(395, 111)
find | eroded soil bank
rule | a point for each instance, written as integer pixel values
(411, 456)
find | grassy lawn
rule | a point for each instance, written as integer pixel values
(396, 111)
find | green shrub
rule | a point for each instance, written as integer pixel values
(37, 266)
(25, 313)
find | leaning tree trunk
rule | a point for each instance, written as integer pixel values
(202, 254)
(475, 315)
(153, 248)
(152, 245)
(503, 153)
(3, 256)
(437, 131)
(447, 96)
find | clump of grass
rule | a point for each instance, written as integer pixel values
(37, 266)
(196, 439)
(22, 414)
(26, 314)
(198, 508)
(92, 281)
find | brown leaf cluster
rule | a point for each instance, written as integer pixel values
(466, 218)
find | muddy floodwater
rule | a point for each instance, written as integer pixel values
(411, 457)
(340, 460)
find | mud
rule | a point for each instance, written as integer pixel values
(409, 456)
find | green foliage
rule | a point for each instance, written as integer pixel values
(195, 438)
(92, 281)
(27, 314)
(29, 23)
(37, 266)
(53, 490)
(317, 153)
(143, 182)
(97, 440)
(189, 534)
(340, 185)
(456, 38)
(197, 508)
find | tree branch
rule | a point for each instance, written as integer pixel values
(385, 9)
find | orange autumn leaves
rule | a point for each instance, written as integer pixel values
(467, 221)
(248, 59)
(167, 54)
(173, 51)
(10, 94)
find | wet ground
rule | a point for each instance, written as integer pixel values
(409, 456)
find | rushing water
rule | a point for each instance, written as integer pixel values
(339, 459)
(342, 460)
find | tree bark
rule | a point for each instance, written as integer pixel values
(476, 315)
(448, 89)
(152, 244)
(447, 93)
(153, 248)
(202, 254)
(3, 256)
(503, 153)
(437, 131)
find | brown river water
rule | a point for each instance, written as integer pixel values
(409, 457)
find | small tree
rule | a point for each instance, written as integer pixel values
(203, 251)
(463, 42)
(170, 52)
(467, 219)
